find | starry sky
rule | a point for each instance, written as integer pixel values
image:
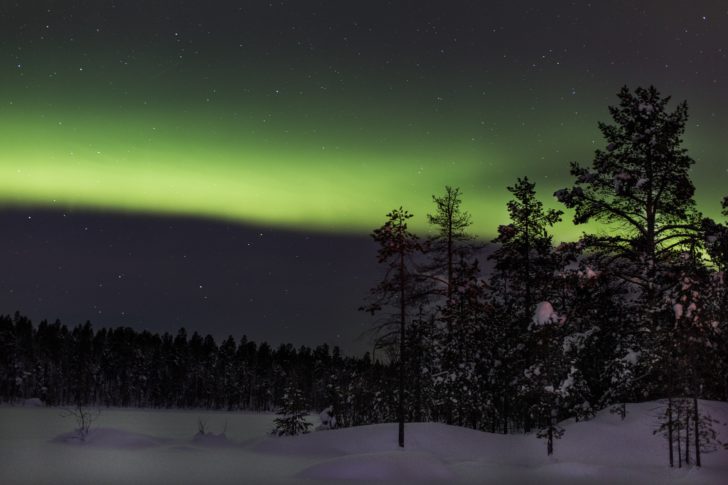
(219, 165)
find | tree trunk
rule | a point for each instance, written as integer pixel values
(400, 410)
(505, 415)
(677, 440)
(696, 423)
(527, 280)
(449, 254)
(418, 380)
(550, 439)
(669, 429)
(687, 436)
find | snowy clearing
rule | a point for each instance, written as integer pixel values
(162, 446)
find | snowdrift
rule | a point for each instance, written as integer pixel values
(438, 440)
(605, 449)
(158, 446)
(110, 438)
(398, 466)
(212, 440)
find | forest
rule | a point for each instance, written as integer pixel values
(635, 310)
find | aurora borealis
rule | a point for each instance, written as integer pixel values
(323, 115)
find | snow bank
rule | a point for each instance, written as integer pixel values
(211, 440)
(606, 446)
(34, 449)
(110, 438)
(442, 440)
(450, 444)
(393, 465)
(608, 440)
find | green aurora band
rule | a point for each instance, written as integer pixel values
(276, 154)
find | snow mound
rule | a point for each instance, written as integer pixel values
(393, 465)
(608, 440)
(211, 440)
(450, 443)
(605, 450)
(33, 402)
(110, 438)
(588, 446)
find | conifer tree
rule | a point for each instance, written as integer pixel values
(292, 414)
(638, 186)
(450, 240)
(423, 344)
(525, 247)
(595, 320)
(522, 275)
(397, 246)
(226, 385)
(639, 189)
(465, 356)
(544, 383)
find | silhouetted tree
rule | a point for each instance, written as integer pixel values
(522, 275)
(450, 239)
(639, 188)
(397, 246)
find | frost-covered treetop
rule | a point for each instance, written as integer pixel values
(545, 315)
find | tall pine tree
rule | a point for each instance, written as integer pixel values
(639, 189)
(522, 276)
(397, 246)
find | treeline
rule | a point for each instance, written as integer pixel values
(124, 367)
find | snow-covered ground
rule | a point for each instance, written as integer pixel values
(154, 446)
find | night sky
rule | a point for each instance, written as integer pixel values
(218, 165)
